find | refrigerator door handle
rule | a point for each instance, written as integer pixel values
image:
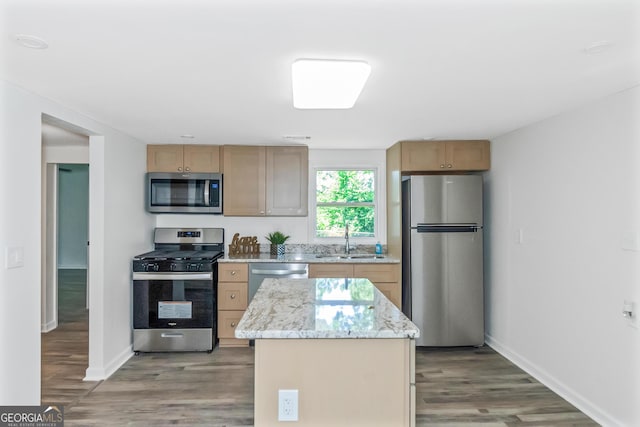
(446, 228)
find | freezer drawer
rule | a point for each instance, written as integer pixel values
(447, 287)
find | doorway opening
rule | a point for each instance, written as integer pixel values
(65, 266)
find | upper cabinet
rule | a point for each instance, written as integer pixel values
(265, 181)
(183, 158)
(444, 156)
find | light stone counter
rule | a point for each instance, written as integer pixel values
(322, 308)
(313, 258)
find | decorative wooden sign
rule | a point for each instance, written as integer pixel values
(244, 245)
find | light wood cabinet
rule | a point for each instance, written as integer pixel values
(265, 181)
(233, 290)
(183, 158)
(444, 156)
(287, 175)
(386, 277)
(330, 270)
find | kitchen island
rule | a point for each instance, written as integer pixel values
(346, 349)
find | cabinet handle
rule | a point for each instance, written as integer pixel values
(179, 169)
(233, 272)
(233, 324)
(441, 166)
(261, 212)
(233, 296)
(187, 169)
(449, 165)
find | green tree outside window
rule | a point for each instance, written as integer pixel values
(345, 197)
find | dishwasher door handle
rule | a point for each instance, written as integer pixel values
(278, 272)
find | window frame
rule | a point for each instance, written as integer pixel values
(314, 204)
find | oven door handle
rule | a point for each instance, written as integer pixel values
(172, 276)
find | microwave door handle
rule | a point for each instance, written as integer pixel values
(207, 184)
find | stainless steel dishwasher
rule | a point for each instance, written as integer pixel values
(278, 270)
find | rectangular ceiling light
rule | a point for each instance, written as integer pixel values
(328, 83)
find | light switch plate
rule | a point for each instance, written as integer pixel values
(14, 257)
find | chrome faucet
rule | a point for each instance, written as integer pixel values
(347, 248)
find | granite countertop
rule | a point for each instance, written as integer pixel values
(313, 258)
(322, 308)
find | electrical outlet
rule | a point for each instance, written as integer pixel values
(287, 405)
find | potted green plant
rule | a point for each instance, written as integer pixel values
(277, 240)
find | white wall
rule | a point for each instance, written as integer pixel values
(571, 186)
(299, 228)
(121, 229)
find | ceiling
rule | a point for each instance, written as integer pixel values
(220, 70)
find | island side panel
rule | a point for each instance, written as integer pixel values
(340, 382)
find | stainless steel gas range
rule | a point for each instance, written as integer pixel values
(174, 291)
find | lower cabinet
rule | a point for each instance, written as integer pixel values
(233, 290)
(386, 277)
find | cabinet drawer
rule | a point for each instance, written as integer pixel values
(330, 270)
(232, 296)
(233, 272)
(227, 322)
(377, 272)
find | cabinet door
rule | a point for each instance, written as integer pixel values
(244, 180)
(164, 158)
(468, 155)
(287, 181)
(422, 156)
(202, 158)
(330, 270)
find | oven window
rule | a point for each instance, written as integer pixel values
(178, 192)
(173, 304)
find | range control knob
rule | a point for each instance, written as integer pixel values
(173, 266)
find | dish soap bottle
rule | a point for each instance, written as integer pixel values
(378, 249)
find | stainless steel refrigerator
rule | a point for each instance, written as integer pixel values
(442, 258)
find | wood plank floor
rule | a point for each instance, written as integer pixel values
(455, 387)
(65, 349)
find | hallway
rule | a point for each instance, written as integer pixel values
(65, 350)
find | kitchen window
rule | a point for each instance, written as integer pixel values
(345, 196)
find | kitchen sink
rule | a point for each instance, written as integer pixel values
(351, 256)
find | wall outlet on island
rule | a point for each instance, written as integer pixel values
(287, 405)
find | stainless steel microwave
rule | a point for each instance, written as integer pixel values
(184, 192)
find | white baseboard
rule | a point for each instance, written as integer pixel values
(99, 374)
(563, 390)
(49, 326)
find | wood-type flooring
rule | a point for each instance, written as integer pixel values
(455, 387)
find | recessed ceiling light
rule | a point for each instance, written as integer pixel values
(32, 42)
(328, 83)
(597, 47)
(187, 136)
